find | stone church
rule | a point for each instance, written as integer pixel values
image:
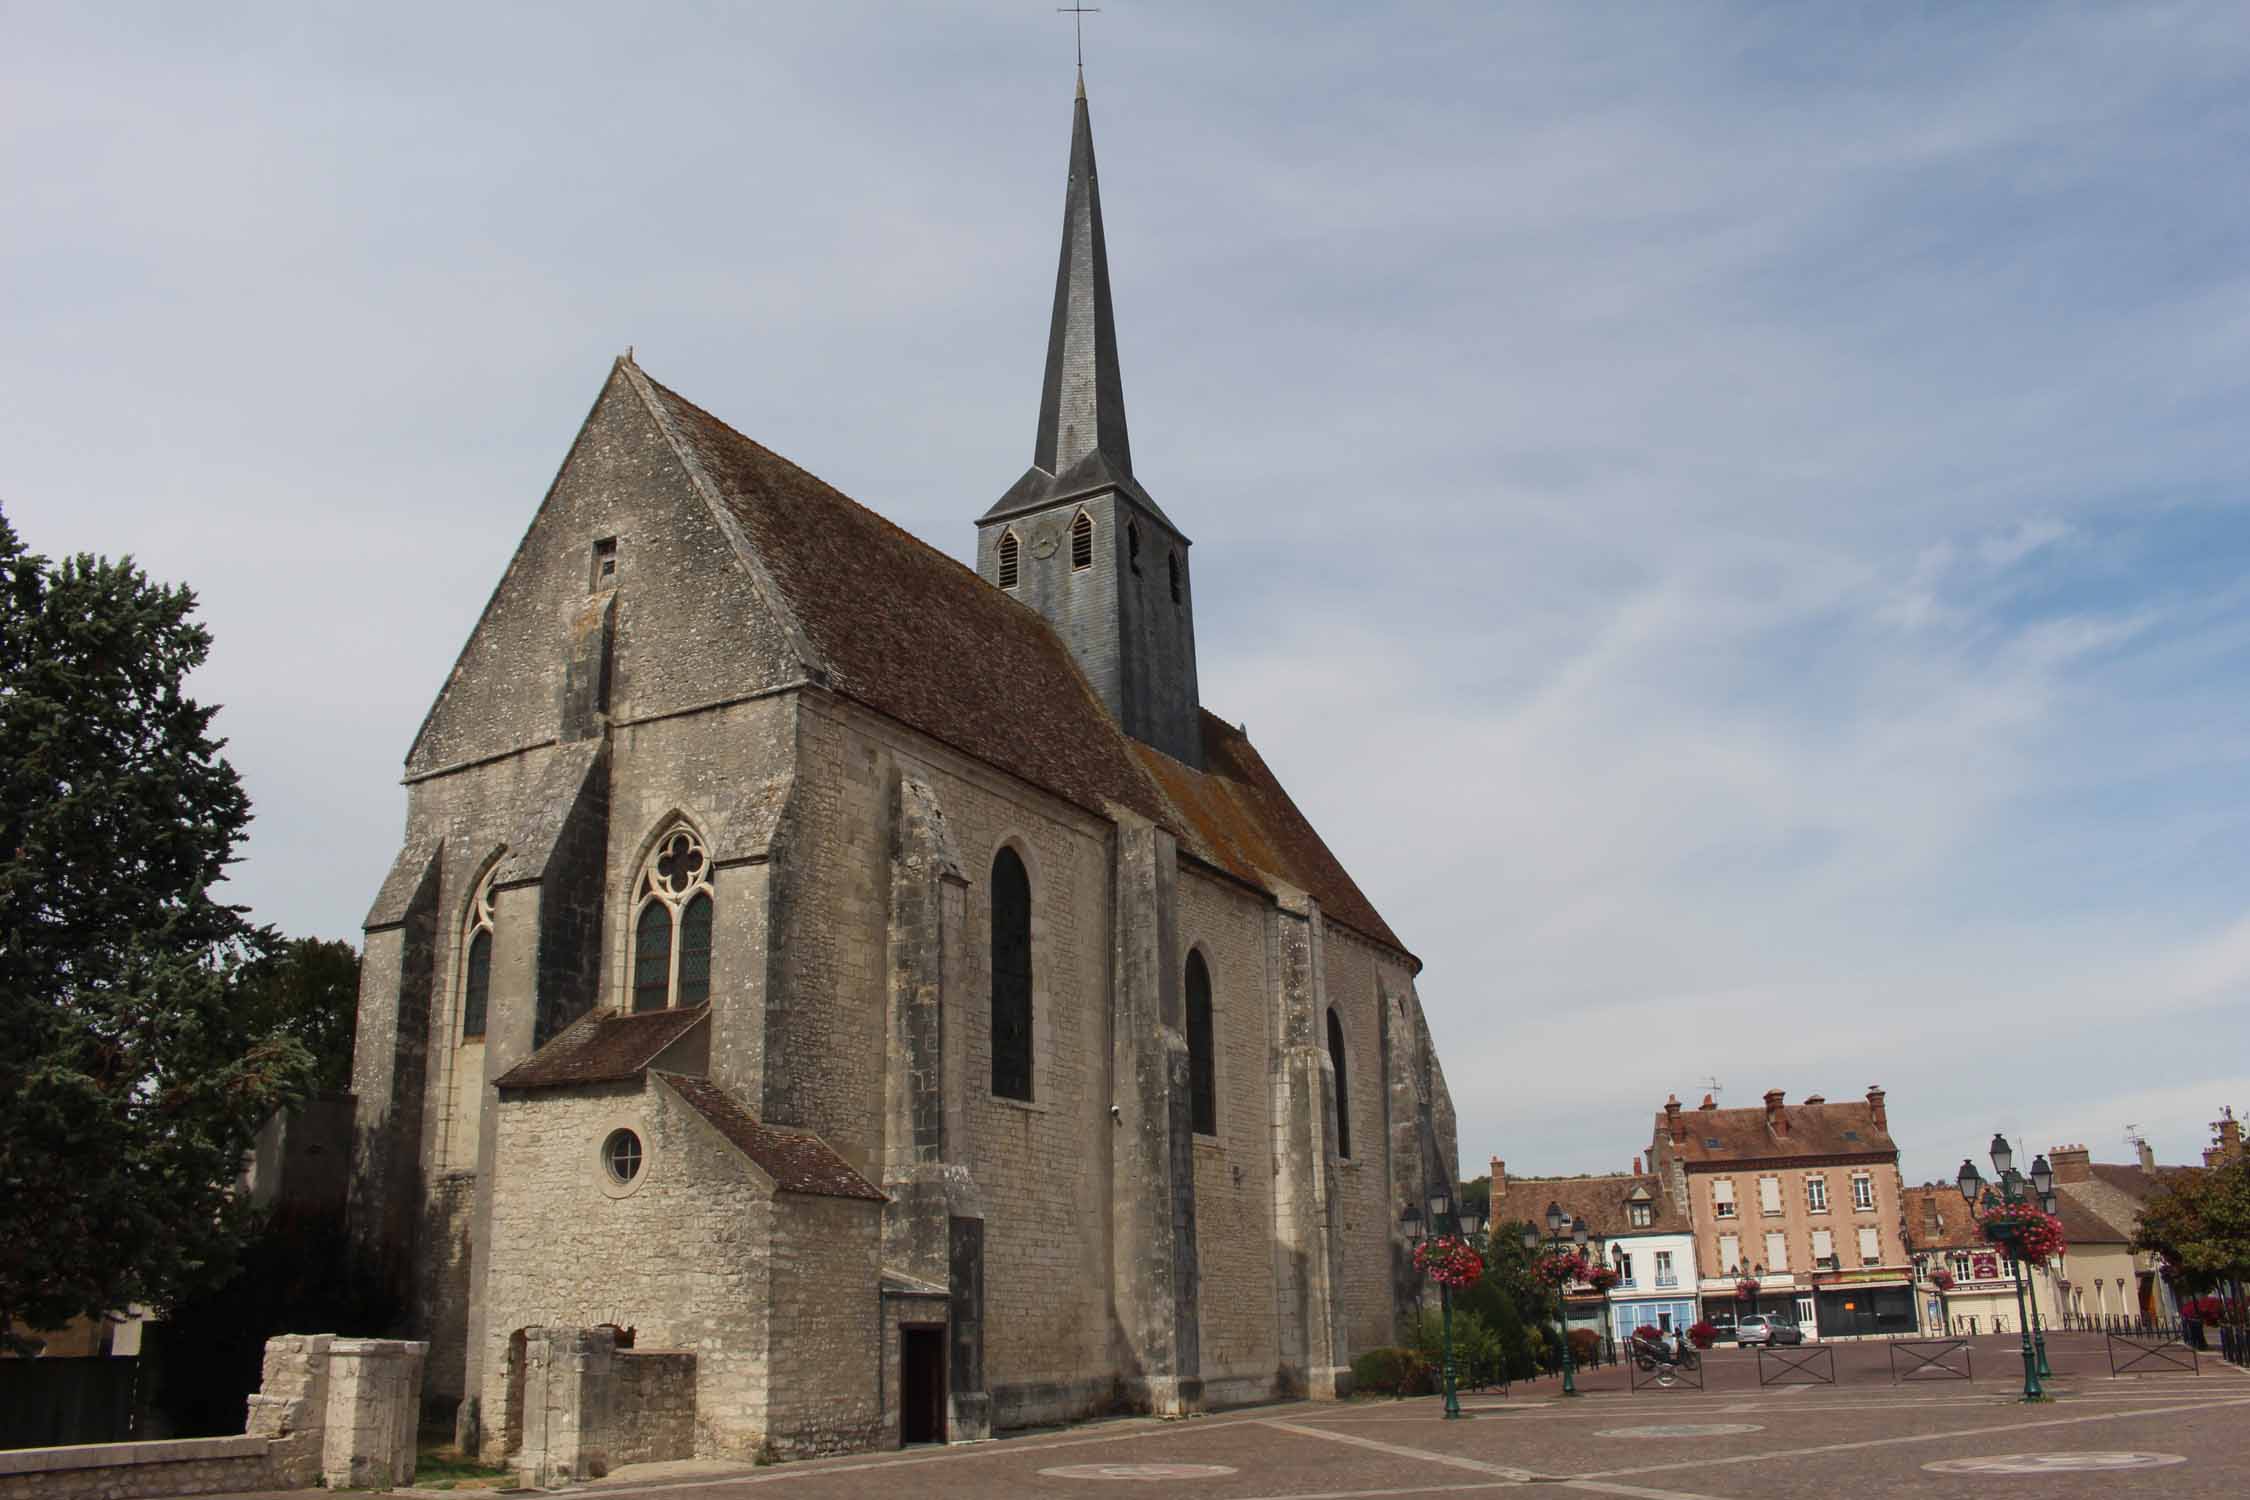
(879, 987)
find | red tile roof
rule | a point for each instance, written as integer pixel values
(1711, 1137)
(1604, 1202)
(797, 1161)
(603, 1046)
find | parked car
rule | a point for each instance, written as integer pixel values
(1759, 1328)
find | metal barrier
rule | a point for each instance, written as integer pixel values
(1777, 1366)
(2156, 1353)
(1929, 1359)
(1666, 1374)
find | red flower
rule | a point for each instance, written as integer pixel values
(1449, 1260)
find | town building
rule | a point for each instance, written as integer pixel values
(2098, 1280)
(1647, 1241)
(879, 985)
(1803, 1199)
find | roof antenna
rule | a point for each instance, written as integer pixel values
(1711, 1082)
(1078, 15)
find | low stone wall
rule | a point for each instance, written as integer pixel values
(589, 1406)
(652, 1414)
(126, 1471)
(331, 1411)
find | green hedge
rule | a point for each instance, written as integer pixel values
(1391, 1372)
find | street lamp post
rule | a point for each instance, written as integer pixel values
(1465, 1223)
(1563, 1233)
(2011, 1189)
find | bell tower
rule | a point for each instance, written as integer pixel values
(1077, 538)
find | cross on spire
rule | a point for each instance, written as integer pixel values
(1078, 15)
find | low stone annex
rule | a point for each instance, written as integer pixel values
(840, 999)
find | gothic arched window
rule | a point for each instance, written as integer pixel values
(1203, 1081)
(476, 965)
(1011, 976)
(1343, 1085)
(672, 925)
(1082, 542)
(1011, 559)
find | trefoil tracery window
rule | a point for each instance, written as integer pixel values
(672, 925)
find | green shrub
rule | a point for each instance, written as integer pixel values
(1585, 1344)
(1390, 1372)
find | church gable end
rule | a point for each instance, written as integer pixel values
(626, 599)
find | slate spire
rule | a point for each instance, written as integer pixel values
(1082, 402)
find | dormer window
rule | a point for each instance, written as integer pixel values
(1640, 1214)
(1011, 559)
(1081, 542)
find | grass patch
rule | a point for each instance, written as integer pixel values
(447, 1468)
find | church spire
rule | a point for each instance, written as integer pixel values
(1082, 402)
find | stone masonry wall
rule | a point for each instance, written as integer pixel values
(653, 1412)
(825, 1395)
(1234, 1168)
(1361, 978)
(681, 1256)
(1040, 1167)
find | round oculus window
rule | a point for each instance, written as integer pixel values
(621, 1155)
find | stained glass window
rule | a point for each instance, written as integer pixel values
(652, 958)
(476, 986)
(695, 951)
(672, 931)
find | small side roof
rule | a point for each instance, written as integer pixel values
(603, 1046)
(797, 1160)
(1603, 1202)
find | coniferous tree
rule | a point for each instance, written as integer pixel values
(131, 1083)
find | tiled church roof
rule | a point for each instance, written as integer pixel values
(911, 633)
(602, 1046)
(797, 1160)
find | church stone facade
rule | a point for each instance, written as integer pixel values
(881, 986)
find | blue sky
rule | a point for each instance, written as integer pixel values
(1730, 518)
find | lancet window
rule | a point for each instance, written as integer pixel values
(1011, 976)
(672, 925)
(1011, 559)
(1203, 1079)
(1081, 542)
(476, 962)
(1343, 1084)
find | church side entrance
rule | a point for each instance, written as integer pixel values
(921, 1386)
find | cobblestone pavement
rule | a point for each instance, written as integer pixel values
(2179, 1434)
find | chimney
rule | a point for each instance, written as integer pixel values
(1777, 1118)
(1672, 1118)
(1875, 1107)
(1816, 1098)
(1708, 1103)
(2071, 1164)
(2229, 1131)
(1636, 1166)
(2148, 1156)
(1499, 1181)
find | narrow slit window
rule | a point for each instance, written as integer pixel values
(1203, 1082)
(1011, 559)
(1343, 1085)
(605, 563)
(1133, 545)
(1174, 560)
(1081, 542)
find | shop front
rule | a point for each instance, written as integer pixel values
(1854, 1307)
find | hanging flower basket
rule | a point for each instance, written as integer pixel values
(1746, 1288)
(2031, 1236)
(1448, 1260)
(1560, 1270)
(1602, 1278)
(1942, 1280)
